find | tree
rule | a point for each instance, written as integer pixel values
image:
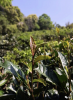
(37, 27)
(3, 23)
(22, 26)
(30, 21)
(45, 22)
(5, 3)
(68, 25)
(8, 19)
(57, 25)
(14, 14)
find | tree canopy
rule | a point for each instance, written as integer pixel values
(5, 3)
(31, 20)
(45, 22)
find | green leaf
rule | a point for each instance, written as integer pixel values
(29, 67)
(40, 81)
(63, 59)
(21, 73)
(64, 63)
(1, 92)
(3, 82)
(48, 73)
(7, 65)
(40, 45)
(15, 70)
(41, 57)
(61, 76)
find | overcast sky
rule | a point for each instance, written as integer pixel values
(60, 11)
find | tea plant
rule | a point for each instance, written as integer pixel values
(48, 76)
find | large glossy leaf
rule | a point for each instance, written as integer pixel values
(40, 81)
(2, 82)
(48, 73)
(15, 80)
(63, 59)
(42, 57)
(12, 68)
(7, 65)
(64, 63)
(21, 73)
(61, 76)
(15, 70)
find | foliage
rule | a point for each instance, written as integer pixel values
(3, 23)
(37, 27)
(45, 22)
(5, 2)
(14, 14)
(43, 73)
(22, 27)
(19, 56)
(46, 72)
(30, 21)
(11, 29)
(70, 26)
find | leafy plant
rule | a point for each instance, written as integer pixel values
(45, 74)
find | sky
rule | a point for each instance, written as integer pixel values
(60, 11)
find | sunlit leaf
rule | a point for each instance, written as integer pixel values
(42, 57)
(3, 82)
(40, 81)
(64, 62)
(11, 88)
(29, 66)
(40, 45)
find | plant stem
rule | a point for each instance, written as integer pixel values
(69, 69)
(69, 82)
(32, 77)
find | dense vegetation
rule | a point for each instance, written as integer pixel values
(34, 70)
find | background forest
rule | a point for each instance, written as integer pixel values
(18, 46)
(16, 29)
